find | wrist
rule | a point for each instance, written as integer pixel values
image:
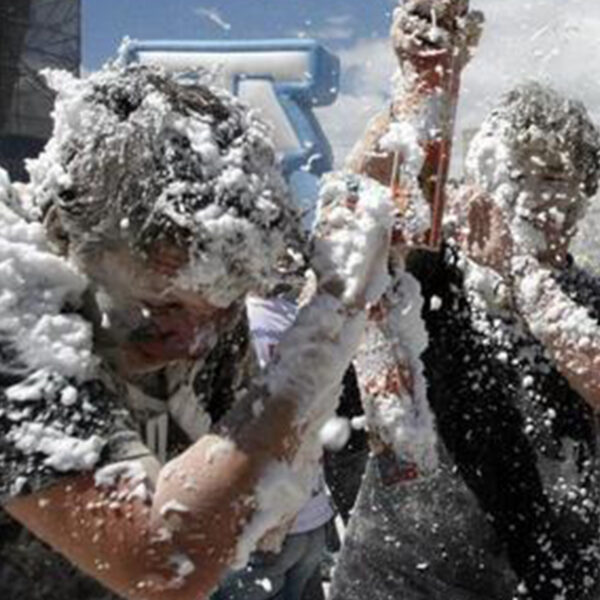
(427, 70)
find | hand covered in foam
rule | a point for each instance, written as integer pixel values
(351, 242)
(425, 30)
(486, 231)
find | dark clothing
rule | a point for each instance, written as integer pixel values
(30, 570)
(513, 511)
(96, 413)
(344, 468)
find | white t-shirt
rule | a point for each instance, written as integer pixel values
(268, 320)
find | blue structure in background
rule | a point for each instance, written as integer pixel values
(302, 74)
(34, 35)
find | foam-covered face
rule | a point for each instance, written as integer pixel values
(150, 319)
(537, 155)
(539, 199)
(545, 215)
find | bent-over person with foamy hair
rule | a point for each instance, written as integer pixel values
(137, 437)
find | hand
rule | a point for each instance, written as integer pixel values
(352, 239)
(486, 236)
(427, 34)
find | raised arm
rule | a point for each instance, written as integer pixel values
(566, 329)
(433, 41)
(408, 148)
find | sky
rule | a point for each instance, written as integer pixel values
(554, 41)
(351, 28)
(338, 22)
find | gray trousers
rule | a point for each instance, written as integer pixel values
(420, 540)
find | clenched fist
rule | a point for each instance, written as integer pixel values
(427, 33)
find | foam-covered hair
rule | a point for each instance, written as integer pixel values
(136, 157)
(536, 131)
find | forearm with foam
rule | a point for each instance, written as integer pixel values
(350, 253)
(313, 357)
(569, 333)
(368, 156)
(393, 386)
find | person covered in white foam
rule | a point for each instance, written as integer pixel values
(153, 211)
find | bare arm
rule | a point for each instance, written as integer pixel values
(569, 334)
(430, 39)
(136, 548)
(126, 544)
(565, 329)
(367, 157)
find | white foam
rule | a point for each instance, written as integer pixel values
(63, 452)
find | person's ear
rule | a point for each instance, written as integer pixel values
(55, 231)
